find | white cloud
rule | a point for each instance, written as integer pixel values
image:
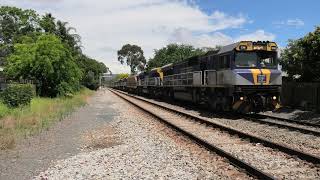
(185, 36)
(107, 25)
(290, 22)
(259, 35)
(295, 22)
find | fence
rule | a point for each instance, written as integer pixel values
(303, 95)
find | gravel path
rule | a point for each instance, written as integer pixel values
(269, 160)
(62, 140)
(145, 149)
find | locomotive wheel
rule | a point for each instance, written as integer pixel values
(169, 95)
(213, 106)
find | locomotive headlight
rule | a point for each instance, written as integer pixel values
(241, 98)
(273, 48)
(243, 47)
(274, 97)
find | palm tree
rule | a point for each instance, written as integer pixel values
(72, 39)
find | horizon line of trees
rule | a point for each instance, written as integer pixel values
(47, 51)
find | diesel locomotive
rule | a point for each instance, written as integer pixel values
(242, 77)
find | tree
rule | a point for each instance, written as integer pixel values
(172, 53)
(14, 23)
(121, 76)
(48, 24)
(47, 62)
(133, 56)
(301, 58)
(92, 71)
(72, 40)
(20, 30)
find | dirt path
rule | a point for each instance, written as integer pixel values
(65, 139)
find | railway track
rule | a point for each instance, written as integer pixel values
(303, 127)
(259, 157)
(307, 124)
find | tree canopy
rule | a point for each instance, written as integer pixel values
(133, 56)
(121, 76)
(21, 34)
(172, 53)
(301, 58)
(91, 70)
(48, 62)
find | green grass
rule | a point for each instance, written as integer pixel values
(39, 115)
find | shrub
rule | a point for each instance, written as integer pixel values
(64, 89)
(16, 95)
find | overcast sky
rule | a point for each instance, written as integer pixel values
(106, 25)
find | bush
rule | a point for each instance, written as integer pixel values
(16, 95)
(64, 89)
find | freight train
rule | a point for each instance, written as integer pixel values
(241, 77)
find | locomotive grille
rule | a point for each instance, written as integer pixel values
(259, 88)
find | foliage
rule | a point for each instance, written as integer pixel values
(90, 81)
(24, 27)
(14, 23)
(16, 95)
(48, 24)
(73, 41)
(49, 63)
(42, 112)
(4, 110)
(133, 56)
(301, 58)
(172, 53)
(92, 71)
(121, 76)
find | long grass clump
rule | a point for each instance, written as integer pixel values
(39, 115)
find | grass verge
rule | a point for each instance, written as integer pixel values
(42, 112)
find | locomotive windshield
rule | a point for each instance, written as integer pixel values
(256, 60)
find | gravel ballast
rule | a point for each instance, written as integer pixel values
(298, 140)
(141, 148)
(269, 160)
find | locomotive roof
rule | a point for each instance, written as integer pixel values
(228, 48)
(168, 66)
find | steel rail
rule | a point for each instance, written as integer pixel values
(255, 118)
(289, 120)
(288, 150)
(202, 142)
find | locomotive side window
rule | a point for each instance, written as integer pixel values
(227, 61)
(268, 60)
(224, 62)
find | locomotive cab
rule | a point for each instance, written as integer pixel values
(257, 79)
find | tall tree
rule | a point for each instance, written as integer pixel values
(133, 56)
(92, 71)
(48, 24)
(73, 40)
(14, 23)
(301, 58)
(172, 53)
(48, 62)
